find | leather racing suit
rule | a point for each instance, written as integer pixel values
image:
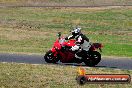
(82, 45)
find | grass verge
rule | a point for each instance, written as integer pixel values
(51, 76)
(33, 30)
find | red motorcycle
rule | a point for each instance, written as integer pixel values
(61, 52)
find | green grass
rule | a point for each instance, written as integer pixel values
(33, 30)
(51, 76)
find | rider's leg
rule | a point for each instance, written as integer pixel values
(80, 54)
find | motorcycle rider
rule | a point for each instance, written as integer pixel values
(82, 43)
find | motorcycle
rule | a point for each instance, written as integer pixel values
(61, 51)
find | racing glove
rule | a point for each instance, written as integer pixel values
(74, 48)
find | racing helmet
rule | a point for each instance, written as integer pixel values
(76, 31)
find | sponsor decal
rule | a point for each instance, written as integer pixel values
(83, 78)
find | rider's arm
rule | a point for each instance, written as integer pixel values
(78, 43)
(79, 40)
(69, 37)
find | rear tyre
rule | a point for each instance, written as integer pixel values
(93, 59)
(50, 58)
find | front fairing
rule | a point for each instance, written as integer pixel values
(59, 43)
(56, 46)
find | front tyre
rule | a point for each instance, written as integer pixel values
(50, 58)
(93, 59)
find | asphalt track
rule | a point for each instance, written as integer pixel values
(122, 63)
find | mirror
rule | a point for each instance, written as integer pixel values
(59, 34)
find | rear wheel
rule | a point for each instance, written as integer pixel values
(93, 58)
(50, 58)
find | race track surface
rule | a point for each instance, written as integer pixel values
(123, 63)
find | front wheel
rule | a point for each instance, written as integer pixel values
(93, 59)
(50, 58)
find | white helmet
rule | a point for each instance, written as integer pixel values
(76, 31)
